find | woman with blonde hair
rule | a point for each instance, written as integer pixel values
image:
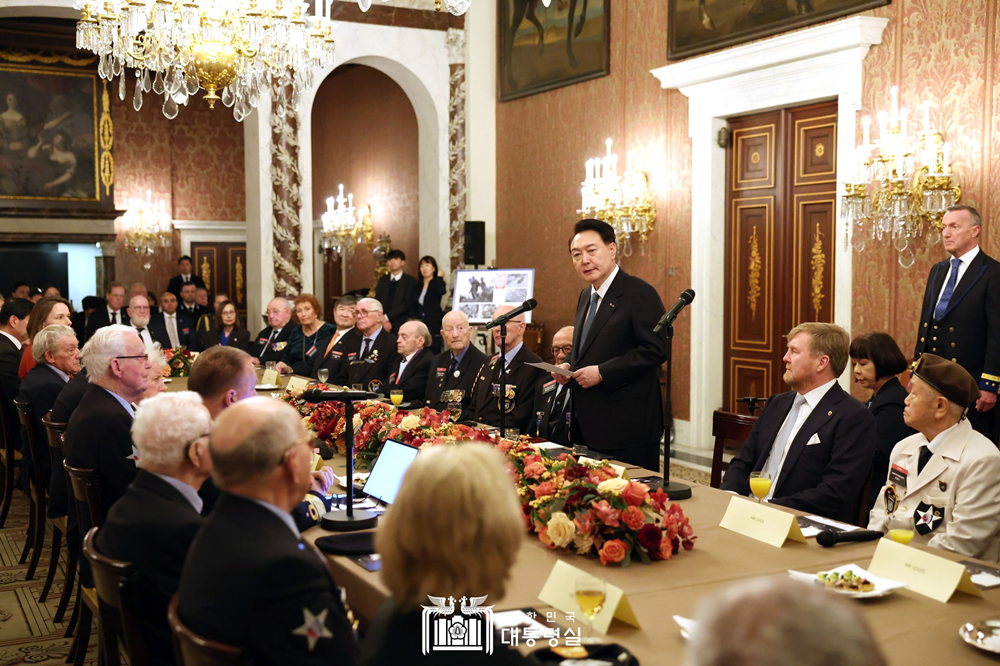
(453, 531)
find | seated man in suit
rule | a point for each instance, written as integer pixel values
(944, 481)
(271, 342)
(186, 276)
(57, 358)
(14, 317)
(397, 292)
(66, 403)
(409, 371)
(153, 524)
(553, 401)
(249, 580)
(815, 442)
(189, 304)
(172, 329)
(111, 313)
(520, 379)
(455, 368)
(346, 318)
(139, 317)
(368, 357)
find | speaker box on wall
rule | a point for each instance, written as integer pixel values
(475, 243)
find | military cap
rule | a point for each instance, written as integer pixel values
(949, 379)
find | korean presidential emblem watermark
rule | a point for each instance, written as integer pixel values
(470, 630)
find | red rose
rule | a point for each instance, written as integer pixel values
(635, 493)
(633, 518)
(613, 551)
(650, 537)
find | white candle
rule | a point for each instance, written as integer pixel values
(609, 147)
(630, 153)
(866, 123)
(927, 116)
(882, 120)
(903, 114)
(894, 93)
(945, 165)
(350, 200)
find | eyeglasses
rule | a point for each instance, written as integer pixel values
(140, 308)
(564, 350)
(365, 313)
(144, 357)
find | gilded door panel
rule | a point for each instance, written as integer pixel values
(814, 257)
(752, 269)
(754, 158)
(816, 150)
(748, 378)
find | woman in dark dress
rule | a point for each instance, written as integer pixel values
(428, 305)
(876, 360)
(454, 531)
(309, 339)
(227, 331)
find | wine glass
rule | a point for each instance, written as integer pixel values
(357, 387)
(760, 484)
(276, 395)
(512, 434)
(590, 594)
(900, 527)
(396, 395)
(454, 411)
(271, 365)
(322, 375)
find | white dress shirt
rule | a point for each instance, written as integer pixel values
(17, 343)
(170, 320)
(965, 260)
(812, 399)
(62, 375)
(190, 494)
(603, 291)
(112, 314)
(403, 364)
(144, 335)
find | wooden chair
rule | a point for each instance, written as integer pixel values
(193, 650)
(117, 585)
(9, 455)
(533, 335)
(56, 432)
(727, 426)
(862, 521)
(35, 538)
(84, 483)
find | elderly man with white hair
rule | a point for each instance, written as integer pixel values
(154, 523)
(139, 316)
(455, 368)
(409, 371)
(271, 342)
(368, 357)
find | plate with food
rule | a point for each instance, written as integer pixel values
(268, 387)
(850, 580)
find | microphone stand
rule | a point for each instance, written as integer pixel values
(350, 520)
(675, 491)
(503, 379)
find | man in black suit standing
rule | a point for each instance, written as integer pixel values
(172, 329)
(617, 409)
(397, 292)
(271, 342)
(367, 358)
(156, 520)
(455, 368)
(410, 369)
(520, 379)
(112, 313)
(553, 402)
(14, 317)
(186, 277)
(815, 442)
(249, 579)
(960, 315)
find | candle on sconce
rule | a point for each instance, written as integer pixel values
(894, 94)
(927, 116)
(629, 156)
(903, 115)
(608, 142)
(945, 165)
(882, 121)
(866, 123)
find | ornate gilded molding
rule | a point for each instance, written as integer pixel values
(753, 284)
(206, 273)
(46, 57)
(818, 263)
(106, 132)
(239, 280)
(286, 200)
(457, 195)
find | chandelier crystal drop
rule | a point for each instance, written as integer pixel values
(147, 226)
(625, 202)
(231, 49)
(344, 228)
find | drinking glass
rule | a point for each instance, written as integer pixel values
(322, 375)
(512, 434)
(396, 395)
(590, 594)
(900, 528)
(760, 484)
(271, 365)
(454, 411)
(276, 395)
(357, 387)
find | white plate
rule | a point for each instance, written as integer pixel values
(883, 586)
(984, 635)
(267, 387)
(167, 380)
(687, 626)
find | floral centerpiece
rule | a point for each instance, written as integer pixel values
(179, 362)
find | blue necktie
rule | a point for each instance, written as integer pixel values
(590, 317)
(949, 289)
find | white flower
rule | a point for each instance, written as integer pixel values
(358, 422)
(409, 422)
(561, 529)
(583, 543)
(614, 486)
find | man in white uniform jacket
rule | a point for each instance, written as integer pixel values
(944, 482)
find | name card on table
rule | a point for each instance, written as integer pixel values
(559, 592)
(761, 522)
(296, 382)
(620, 469)
(923, 572)
(271, 378)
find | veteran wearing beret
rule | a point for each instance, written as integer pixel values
(944, 481)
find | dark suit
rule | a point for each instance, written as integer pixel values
(372, 371)
(79, 323)
(249, 581)
(825, 477)
(41, 387)
(100, 318)
(430, 312)
(194, 313)
(623, 414)
(276, 349)
(441, 380)
(239, 338)
(176, 282)
(399, 307)
(414, 378)
(332, 361)
(554, 424)
(67, 402)
(10, 361)
(520, 379)
(185, 331)
(887, 408)
(152, 526)
(969, 331)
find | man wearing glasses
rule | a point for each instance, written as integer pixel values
(366, 359)
(553, 402)
(455, 368)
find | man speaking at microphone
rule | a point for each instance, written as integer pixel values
(617, 410)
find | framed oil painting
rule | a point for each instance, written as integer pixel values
(540, 48)
(700, 26)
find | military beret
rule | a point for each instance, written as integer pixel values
(949, 379)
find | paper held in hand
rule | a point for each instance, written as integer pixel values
(923, 572)
(761, 522)
(559, 592)
(548, 367)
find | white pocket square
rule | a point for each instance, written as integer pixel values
(813, 440)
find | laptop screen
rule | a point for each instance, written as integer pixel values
(387, 472)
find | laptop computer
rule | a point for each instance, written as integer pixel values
(387, 473)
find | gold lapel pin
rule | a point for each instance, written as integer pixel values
(829, 413)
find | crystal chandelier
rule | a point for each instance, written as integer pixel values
(624, 202)
(342, 229)
(147, 226)
(899, 182)
(229, 48)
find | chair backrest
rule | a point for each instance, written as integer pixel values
(193, 650)
(727, 426)
(534, 333)
(117, 585)
(7, 429)
(87, 494)
(54, 431)
(27, 416)
(863, 513)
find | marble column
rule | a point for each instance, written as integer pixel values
(457, 193)
(286, 201)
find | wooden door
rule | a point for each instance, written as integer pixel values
(781, 200)
(333, 285)
(223, 267)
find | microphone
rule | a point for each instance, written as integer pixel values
(685, 299)
(317, 395)
(828, 538)
(504, 318)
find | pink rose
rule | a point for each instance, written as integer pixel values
(545, 489)
(659, 499)
(666, 550)
(606, 513)
(533, 458)
(613, 551)
(534, 470)
(635, 493)
(633, 517)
